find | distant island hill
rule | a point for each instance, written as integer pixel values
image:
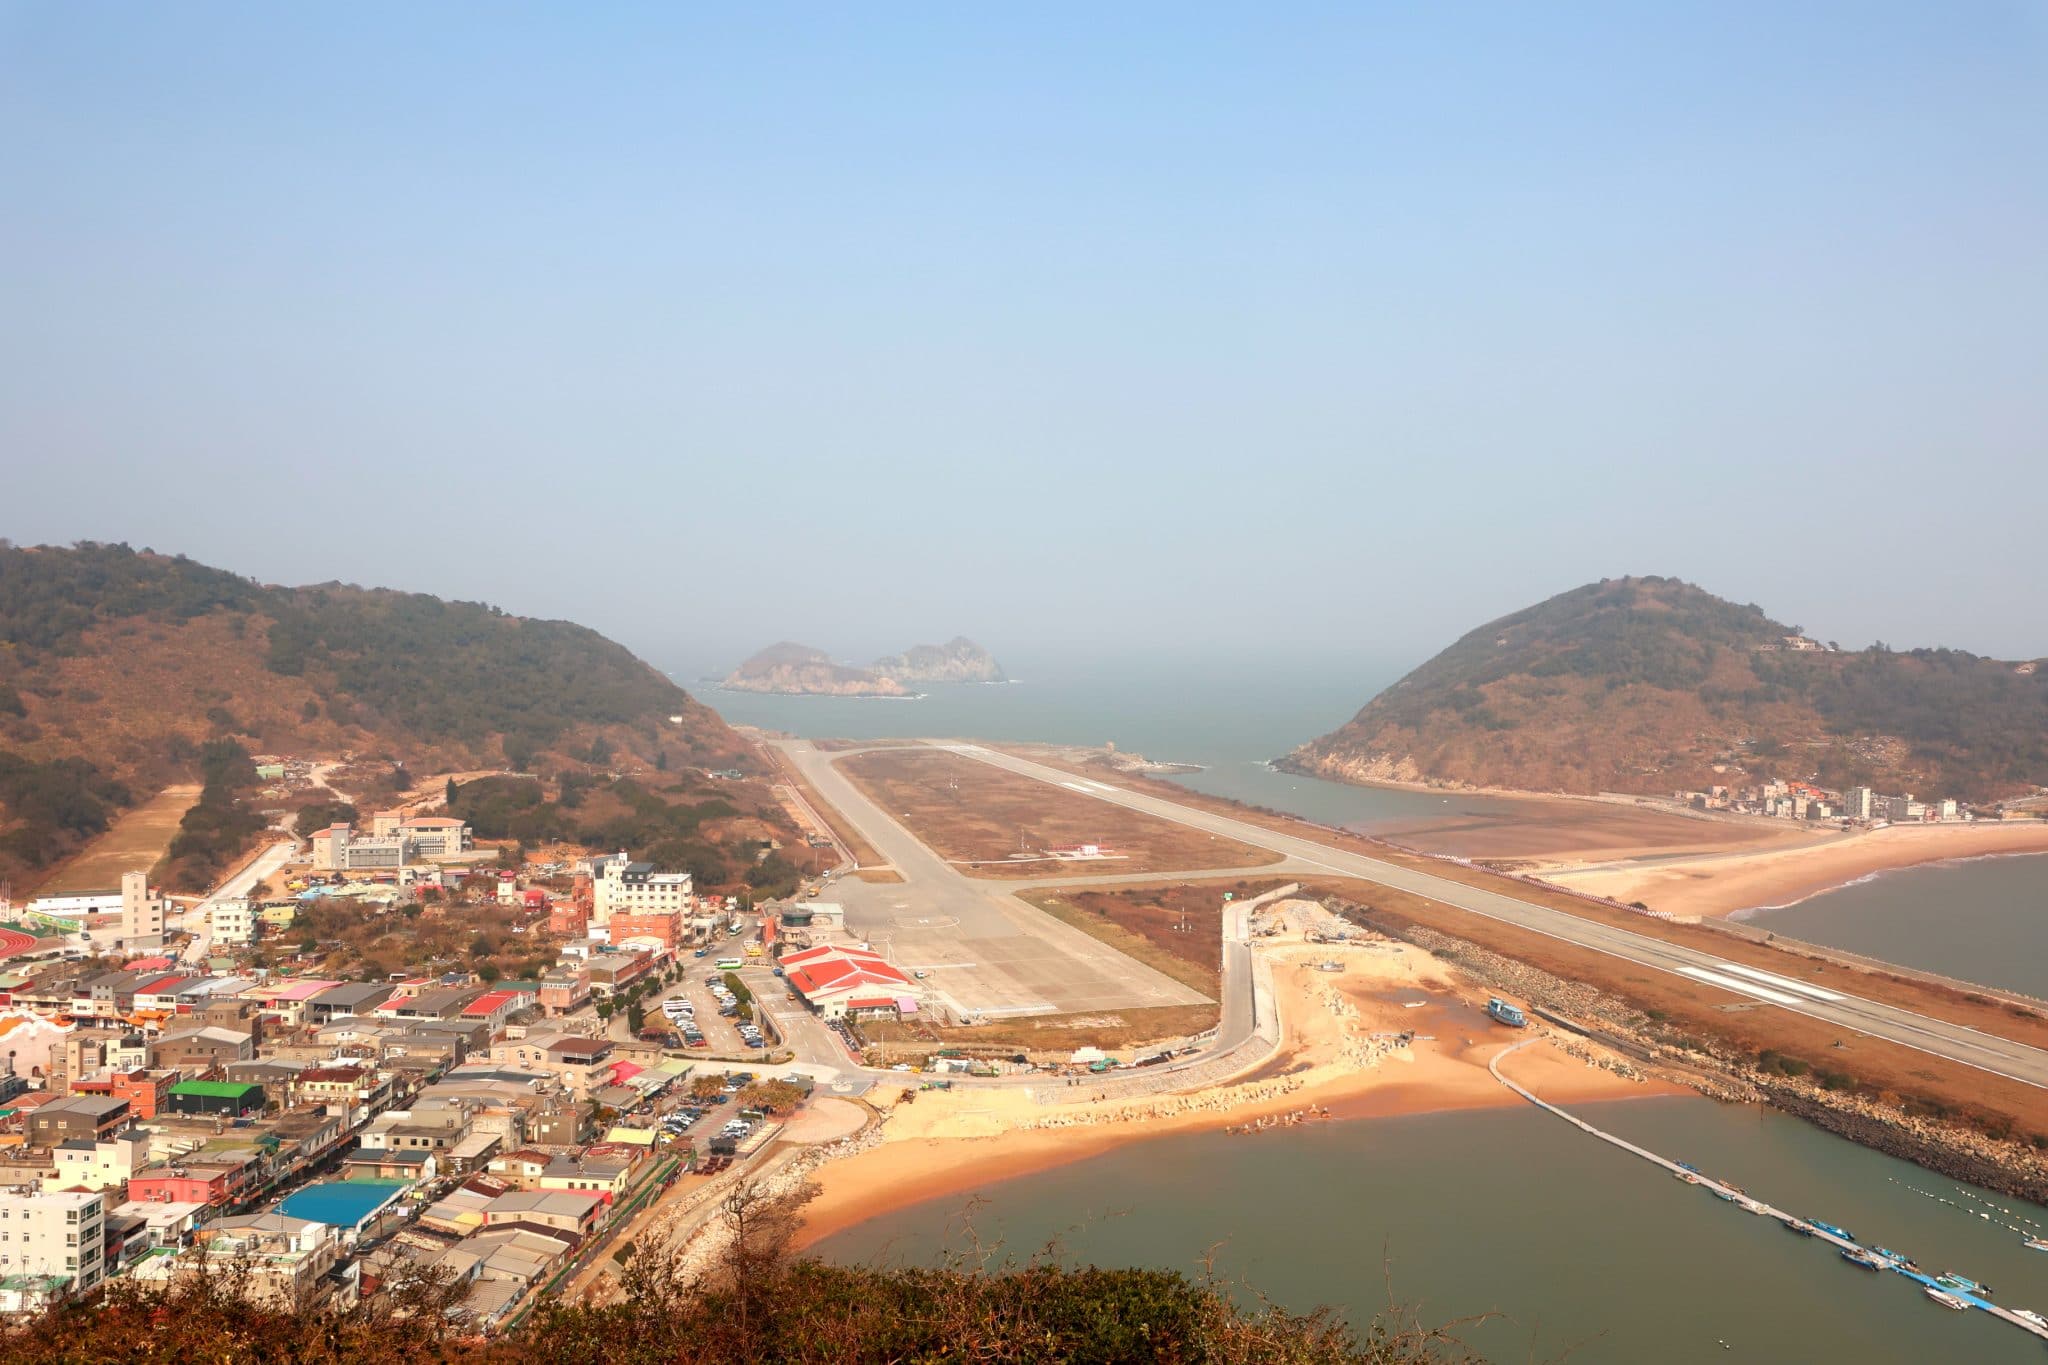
(798, 670)
(1654, 687)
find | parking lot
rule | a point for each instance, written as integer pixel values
(721, 1032)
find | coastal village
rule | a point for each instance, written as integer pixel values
(182, 1089)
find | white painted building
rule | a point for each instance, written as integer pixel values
(233, 920)
(620, 886)
(103, 1165)
(61, 1234)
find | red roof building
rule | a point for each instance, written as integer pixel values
(496, 1006)
(834, 981)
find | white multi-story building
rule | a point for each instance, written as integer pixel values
(1859, 803)
(61, 1235)
(233, 920)
(393, 842)
(620, 886)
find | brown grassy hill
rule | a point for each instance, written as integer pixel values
(1653, 685)
(131, 661)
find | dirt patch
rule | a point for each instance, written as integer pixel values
(826, 1119)
(1175, 929)
(137, 841)
(982, 817)
(1543, 830)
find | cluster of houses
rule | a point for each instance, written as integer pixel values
(158, 1123)
(1805, 801)
(330, 1137)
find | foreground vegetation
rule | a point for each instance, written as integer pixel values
(755, 1304)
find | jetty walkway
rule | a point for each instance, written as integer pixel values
(1742, 1200)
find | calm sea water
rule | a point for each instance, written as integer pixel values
(1513, 1212)
(1982, 920)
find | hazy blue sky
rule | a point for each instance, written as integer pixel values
(1088, 327)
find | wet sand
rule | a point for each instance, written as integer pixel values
(1725, 883)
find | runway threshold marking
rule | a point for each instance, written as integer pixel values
(1729, 983)
(1783, 983)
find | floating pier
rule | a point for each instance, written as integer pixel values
(1821, 1232)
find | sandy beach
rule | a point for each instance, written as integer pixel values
(1721, 884)
(1341, 1059)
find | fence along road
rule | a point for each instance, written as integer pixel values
(1953, 1042)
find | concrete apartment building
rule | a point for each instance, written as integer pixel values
(282, 1259)
(233, 921)
(84, 1118)
(201, 1049)
(61, 1235)
(142, 915)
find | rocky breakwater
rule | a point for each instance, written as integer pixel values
(1951, 1149)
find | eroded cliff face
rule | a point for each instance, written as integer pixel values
(959, 660)
(802, 671)
(1365, 768)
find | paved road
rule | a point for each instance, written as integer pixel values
(981, 950)
(193, 920)
(1852, 1014)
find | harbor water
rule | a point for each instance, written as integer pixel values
(1568, 1241)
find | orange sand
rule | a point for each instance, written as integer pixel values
(1723, 884)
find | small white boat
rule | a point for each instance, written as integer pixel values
(2035, 1244)
(2029, 1315)
(1946, 1299)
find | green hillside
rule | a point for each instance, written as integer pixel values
(1654, 685)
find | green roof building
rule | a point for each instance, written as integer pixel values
(230, 1098)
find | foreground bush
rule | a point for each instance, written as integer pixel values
(756, 1303)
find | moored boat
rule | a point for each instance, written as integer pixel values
(2035, 1244)
(1832, 1230)
(1963, 1284)
(1946, 1299)
(1858, 1256)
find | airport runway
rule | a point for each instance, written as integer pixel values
(1987, 1052)
(980, 948)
